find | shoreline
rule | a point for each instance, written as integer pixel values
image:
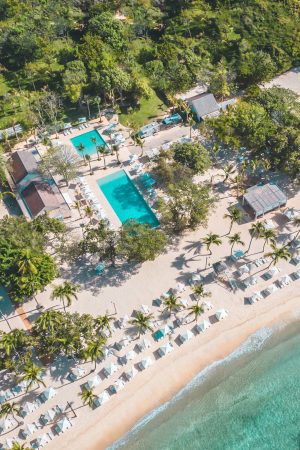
(137, 402)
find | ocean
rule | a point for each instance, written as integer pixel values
(250, 400)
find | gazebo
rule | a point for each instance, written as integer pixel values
(262, 199)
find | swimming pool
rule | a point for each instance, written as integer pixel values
(86, 140)
(6, 306)
(125, 199)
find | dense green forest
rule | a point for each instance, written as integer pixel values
(80, 55)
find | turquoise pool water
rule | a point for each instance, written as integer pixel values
(6, 306)
(86, 140)
(125, 199)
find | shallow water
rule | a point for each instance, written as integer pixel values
(251, 400)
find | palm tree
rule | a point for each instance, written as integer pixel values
(140, 143)
(88, 159)
(211, 239)
(103, 323)
(228, 170)
(88, 211)
(94, 350)
(116, 149)
(192, 122)
(87, 397)
(32, 374)
(277, 254)
(196, 311)
(97, 100)
(256, 232)
(94, 140)
(18, 446)
(102, 151)
(269, 236)
(235, 215)
(81, 148)
(142, 322)
(171, 304)
(200, 291)
(48, 320)
(98, 148)
(8, 409)
(26, 264)
(66, 291)
(77, 205)
(10, 341)
(235, 239)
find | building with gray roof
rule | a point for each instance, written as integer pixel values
(262, 199)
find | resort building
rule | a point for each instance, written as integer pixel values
(204, 105)
(262, 199)
(35, 193)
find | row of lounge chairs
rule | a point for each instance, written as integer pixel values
(282, 282)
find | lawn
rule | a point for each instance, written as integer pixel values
(150, 109)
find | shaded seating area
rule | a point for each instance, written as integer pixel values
(262, 199)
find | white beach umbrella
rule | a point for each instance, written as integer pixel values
(285, 280)
(101, 399)
(269, 224)
(165, 349)
(5, 424)
(63, 425)
(43, 440)
(202, 326)
(118, 385)
(122, 322)
(166, 330)
(184, 302)
(207, 305)
(93, 382)
(297, 274)
(110, 369)
(145, 363)
(144, 344)
(291, 213)
(29, 429)
(78, 372)
(130, 356)
(255, 297)
(196, 278)
(48, 393)
(180, 287)
(27, 408)
(131, 373)
(272, 288)
(185, 336)
(49, 415)
(244, 269)
(273, 271)
(145, 309)
(221, 314)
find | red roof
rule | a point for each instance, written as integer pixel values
(39, 197)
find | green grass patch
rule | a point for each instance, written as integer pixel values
(149, 110)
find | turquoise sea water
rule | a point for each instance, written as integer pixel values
(89, 146)
(125, 199)
(250, 401)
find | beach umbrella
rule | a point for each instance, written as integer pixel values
(92, 382)
(48, 416)
(291, 213)
(145, 363)
(196, 278)
(221, 314)
(185, 336)
(122, 322)
(29, 429)
(207, 305)
(271, 272)
(131, 373)
(180, 287)
(244, 269)
(27, 408)
(184, 302)
(129, 356)
(101, 399)
(202, 326)
(121, 344)
(48, 393)
(165, 349)
(118, 385)
(5, 424)
(272, 288)
(269, 224)
(285, 280)
(110, 369)
(144, 344)
(166, 330)
(145, 309)
(42, 440)
(63, 425)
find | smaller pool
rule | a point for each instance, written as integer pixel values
(86, 139)
(125, 199)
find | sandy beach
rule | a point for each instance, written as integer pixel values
(161, 381)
